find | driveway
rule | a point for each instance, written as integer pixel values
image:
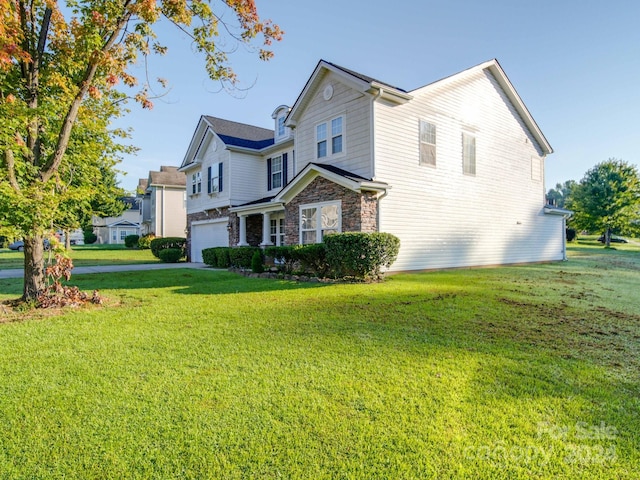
(17, 273)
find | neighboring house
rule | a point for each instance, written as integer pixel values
(455, 169)
(114, 229)
(163, 206)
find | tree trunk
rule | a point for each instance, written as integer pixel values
(67, 240)
(607, 238)
(34, 271)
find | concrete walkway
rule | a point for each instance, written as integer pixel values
(17, 273)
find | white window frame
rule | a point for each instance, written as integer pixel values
(276, 173)
(196, 183)
(427, 143)
(281, 129)
(330, 137)
(276, 233)
(469, 154)
(319, 229)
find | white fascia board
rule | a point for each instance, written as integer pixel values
(266, 207)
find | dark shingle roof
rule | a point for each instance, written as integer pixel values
(241, 134)
(365, 78)
(341, 172)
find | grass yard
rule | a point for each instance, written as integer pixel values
(518, 372)
(87, 255)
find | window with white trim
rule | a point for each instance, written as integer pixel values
(318, 220)
(196, 183)
(281, 130)
(427, 143)
(468, 154)
(276, 172)
(277, 231)
(330, 137)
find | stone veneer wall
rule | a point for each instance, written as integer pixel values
(199, 216)
(359, 211)
(254, 230)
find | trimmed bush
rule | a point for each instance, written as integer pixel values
(313, 259)
(217, 257)
(257, 263)
(571, 234)
(131, 241)
(240, 257)
(162, 243)
(89, 238)
(144, 242)
(171, 255)
(362, 255)
(284, 256)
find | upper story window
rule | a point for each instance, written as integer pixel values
(281, 130)
(318, 220)
(196, 183)
(329, 137)
(277, 171)
(214, 178)
(427, 143)
(468, 154)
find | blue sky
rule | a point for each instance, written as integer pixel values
(575, 63)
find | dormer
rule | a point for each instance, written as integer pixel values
(279, 116)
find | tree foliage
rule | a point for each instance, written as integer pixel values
(607, 199)
(561, 193)
(63, 73)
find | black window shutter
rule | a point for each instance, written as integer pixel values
(284, 168)
(268, 174)
(220, 177)
(209, 179)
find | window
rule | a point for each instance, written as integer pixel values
(316, 221)
(536, 169)
(427, 143)
(196, 183)
(214, 178)
(321, 139)
(281, 130)
(335, 136)
(468, 154)
(277, 231)
(276, 172)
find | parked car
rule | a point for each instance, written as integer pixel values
(19, 245)
(614, 239)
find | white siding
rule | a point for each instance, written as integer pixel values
(445, 218)
(356, 109)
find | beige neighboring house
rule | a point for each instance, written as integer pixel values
(163, 207)
(113, 230)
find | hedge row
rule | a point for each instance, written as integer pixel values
(351, 254)
(228, 257)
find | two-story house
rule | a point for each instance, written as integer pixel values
(113, 230)
(163, 206)
(455, 169)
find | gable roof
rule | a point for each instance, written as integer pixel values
(358, 81)
(241, 134)
(498, 73)
(167, 176)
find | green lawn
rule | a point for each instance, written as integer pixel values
(518, 372)
(87, 255)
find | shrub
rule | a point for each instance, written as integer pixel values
(171, 255)
(313, 259)
(90, 237)
(571, 234)
(144, 242)
(131, 241)
(284, 256)
(217, 257)
(162, 243)
(257, 264)
(362, 255)
(240, 257)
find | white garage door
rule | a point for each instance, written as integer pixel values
(207, 235)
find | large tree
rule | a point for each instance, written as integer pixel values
(561, 193)
(60, 68)
(607, 199)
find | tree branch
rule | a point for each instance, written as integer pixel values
(11, 168)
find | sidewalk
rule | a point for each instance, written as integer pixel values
(17, 273)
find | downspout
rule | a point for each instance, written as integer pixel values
(373, 132)
(162, 206)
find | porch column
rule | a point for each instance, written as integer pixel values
(266, 229)
(242, 240)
